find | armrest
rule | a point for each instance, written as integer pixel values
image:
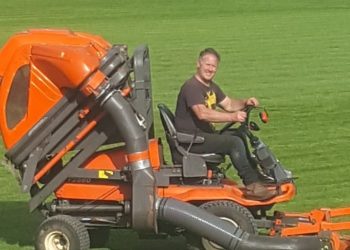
(188, 138)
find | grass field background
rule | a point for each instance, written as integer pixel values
(292, 55)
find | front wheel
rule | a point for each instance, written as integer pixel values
(62, 232)
(226, 210)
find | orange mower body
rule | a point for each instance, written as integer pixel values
(77, 122)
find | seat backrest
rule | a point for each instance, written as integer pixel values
(168, 121)
(181, 155)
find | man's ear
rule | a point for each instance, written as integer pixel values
(198, 63)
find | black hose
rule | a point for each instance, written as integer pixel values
(282, 243)
(126, 123)
(143, 180)
(224, 233)
(200, 222)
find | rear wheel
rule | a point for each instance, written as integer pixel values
(62, 232)
(226, 210)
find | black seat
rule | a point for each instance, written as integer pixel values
(194, 164)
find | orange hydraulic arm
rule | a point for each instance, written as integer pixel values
(319, 221)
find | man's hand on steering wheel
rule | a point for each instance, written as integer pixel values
(252, 101)
(239, 116)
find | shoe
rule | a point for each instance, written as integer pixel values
(264, 178)
(257, 191)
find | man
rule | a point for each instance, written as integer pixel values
(196, 111)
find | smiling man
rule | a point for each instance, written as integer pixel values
(200, 103)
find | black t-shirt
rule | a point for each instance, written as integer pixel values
(194, 92)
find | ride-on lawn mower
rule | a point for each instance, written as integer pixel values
(77, 122)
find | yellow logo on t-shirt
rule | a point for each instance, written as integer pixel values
(210, 100)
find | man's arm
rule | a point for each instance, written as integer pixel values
(232, 105)
(211, 115)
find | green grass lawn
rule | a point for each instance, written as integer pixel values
(293, 55)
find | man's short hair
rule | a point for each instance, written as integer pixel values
(207, 51)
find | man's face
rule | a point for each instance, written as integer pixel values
(206, 67)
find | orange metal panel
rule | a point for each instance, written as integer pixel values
(108, 160)
(112, 160)
(99, 192)
(66, 66)
(93, 82)
(36, 98)
(154, 154)
(43, 92)
(339, 212)
(301, 229)
(225, 192)
(316, 221)
(335, 226)
(116, 159)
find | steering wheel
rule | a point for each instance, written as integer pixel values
(228, 125)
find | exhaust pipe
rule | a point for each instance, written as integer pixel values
(226, 234)
(143, 180)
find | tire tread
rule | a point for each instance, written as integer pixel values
(77, 227)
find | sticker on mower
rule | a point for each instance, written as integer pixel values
(104, 174)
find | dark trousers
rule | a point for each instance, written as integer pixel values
(233, 146)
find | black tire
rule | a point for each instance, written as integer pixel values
(99, 237)
(62, 232)
(227, 210)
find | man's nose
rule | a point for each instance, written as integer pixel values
(212, 68)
